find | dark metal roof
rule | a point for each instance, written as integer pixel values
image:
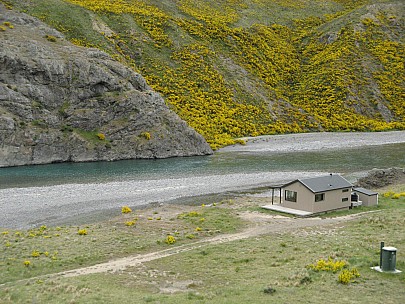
(364, 191)
(324, 183)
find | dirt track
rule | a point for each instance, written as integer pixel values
(261, 224)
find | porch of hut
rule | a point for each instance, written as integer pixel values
(279, 188)
(276, 204)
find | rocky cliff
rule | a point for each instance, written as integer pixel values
(60, 102)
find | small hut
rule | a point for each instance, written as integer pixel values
(367, 197)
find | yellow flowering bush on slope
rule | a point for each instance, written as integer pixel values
(312, 78)
(152, 19)
(335, 87)
(198, 93)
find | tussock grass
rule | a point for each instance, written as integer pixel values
(63, 248)
(260, 269)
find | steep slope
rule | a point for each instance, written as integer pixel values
(352, 74)
(60, 102)
(234, 68)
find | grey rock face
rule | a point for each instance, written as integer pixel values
(56, 97)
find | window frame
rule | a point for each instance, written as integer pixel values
(322, 197)
(290, 198)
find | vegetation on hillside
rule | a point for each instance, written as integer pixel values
(234, 68)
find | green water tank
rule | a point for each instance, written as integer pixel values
(389, 257)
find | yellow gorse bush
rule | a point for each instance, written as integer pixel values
(328, 265)
(35, 254)
(348, 275)
(146, 135)
(149, 17)
(50, 38)
(8, 24)
(397, 195)
(310, 83)
(82, 232)
(5, 25)
(126, 209)
(388, 194)
(393, 195)
(189, 214)
(170, 240)
(130, 223)
(100, 136)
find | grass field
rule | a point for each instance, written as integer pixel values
(264, 268)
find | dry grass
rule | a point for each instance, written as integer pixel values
(270, 267)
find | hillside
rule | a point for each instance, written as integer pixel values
(60, 102)
(233, 68)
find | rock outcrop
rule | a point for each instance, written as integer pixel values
(379, 178)
(60, 102)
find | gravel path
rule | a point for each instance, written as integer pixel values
(24, 208)
(317, 141)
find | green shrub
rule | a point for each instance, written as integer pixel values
(66, 128)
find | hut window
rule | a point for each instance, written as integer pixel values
(345, 190)
(290, 196)
(319, 197)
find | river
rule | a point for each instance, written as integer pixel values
(84, 192)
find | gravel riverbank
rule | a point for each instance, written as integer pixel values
(316, 141)
(28, 207)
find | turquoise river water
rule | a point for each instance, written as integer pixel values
(346, 161)
(82, 192)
